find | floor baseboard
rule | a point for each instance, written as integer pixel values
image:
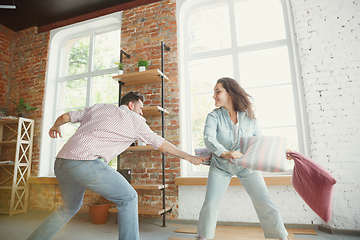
(330, 230)
(322, 228)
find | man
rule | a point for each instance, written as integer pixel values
(105, 131)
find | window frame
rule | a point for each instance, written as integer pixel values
(58, 38)
(185, 8)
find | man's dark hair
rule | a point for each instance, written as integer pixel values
(131, 97)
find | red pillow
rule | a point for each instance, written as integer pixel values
(314, 184)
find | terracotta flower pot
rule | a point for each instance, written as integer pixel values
(99, 213)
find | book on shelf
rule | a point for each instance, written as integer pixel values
(9, 117)
(6, 162)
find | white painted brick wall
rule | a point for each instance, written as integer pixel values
(328, 36)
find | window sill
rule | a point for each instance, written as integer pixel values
(187, 181)
(202, 181)
(43, 180)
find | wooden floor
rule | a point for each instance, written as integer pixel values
(240, 233)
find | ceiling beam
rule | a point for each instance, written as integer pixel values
(121, 7)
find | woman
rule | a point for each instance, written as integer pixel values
(224, 126)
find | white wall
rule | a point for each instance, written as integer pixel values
(328, 35)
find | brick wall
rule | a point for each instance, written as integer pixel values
(23, 69)
(143, 30)
(327, 33)
(48, 197)
(6, 52)
(28, 73)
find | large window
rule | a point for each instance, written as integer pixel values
(83, 80)
(252, 42)
(81, 73)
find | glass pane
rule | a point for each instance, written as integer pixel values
(72, 94)
(201, 105)
(105, 89)
(209, 29)
(205, 72)
(290, 133)
(113, 163)
(274, 106)
(59, 145)
(107, 50)
(200, 168)
(259, 21)
(264, 67)
(69, 129)
(198, 142)
(76, 51)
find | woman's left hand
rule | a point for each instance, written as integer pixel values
(231, 155)
(288, 156)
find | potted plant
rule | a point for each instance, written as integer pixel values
(99, 211)
(143, 64)
(121, 66)
(22, 107)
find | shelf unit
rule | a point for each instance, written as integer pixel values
(14, 176)
(142, 78)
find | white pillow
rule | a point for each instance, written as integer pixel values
(264, 153)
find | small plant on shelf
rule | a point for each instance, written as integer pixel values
(23, 107)
(143, 64)
(121, 66)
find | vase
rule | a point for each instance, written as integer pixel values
(142, 68)
(120, 72)
(99, 213)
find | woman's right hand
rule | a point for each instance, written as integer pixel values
(231, 155)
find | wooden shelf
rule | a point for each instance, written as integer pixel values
(4, 210)
(148, 186)
(43, 180)
(140, 148)
(154, 76)
(284, 180)
(153, 111)
(152, 210)
(141, 78)
(7, 164)
(17, 172)
(147, 210)
(7, 121)
(7, 142)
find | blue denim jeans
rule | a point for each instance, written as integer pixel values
(220, 174)
(74, 177)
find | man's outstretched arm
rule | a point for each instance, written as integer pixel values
(169, 148)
